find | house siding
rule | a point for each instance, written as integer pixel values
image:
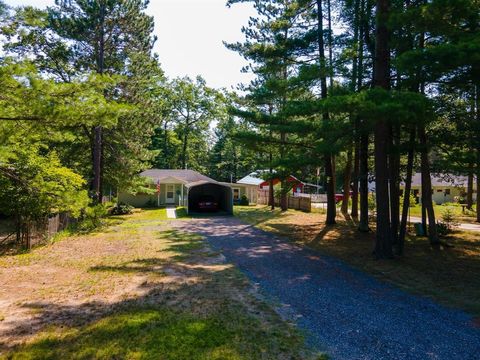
(144, 200)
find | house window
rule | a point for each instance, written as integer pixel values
(236, 194)
(439, 190)
(447, 191)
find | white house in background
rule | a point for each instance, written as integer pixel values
(445, 187)
(247, 186)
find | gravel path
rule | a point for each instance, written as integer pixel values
(344, 312)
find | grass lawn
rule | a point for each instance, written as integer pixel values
(467, 216)
(449, 275)
(138, 289)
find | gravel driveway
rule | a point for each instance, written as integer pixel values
(344, 312)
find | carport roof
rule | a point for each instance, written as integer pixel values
(189, 177)
(203, 182)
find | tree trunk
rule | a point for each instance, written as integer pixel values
(424, 214)
(427, 186)
(470, 187)
(394, 167)
(284, 197)
(184, 150)
(383, 242)
(331, 204)
(18, 228)
(98, 131)
(329, 170)
(97, 164)
(271, 195)
(356, 170)
(357, 80)
(346, 182)
(363, 223)
(469, 198)
(478, 186)
(477, 118)
(406, 194)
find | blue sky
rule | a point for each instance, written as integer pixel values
(190, 35)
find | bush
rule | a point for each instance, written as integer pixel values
(442, 229)
(244, 201)
(92, 218)
(413, 200)
(151, 203)
(449, 220)
(121, 209)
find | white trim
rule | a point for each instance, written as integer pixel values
(183, 200)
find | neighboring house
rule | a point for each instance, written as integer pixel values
(248, 186)
(445, 187)
(253, 182)
(179, 188)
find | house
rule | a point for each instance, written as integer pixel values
(253, 182)
(295, 184)
(179, 188)
(247, 186)
(445, 187)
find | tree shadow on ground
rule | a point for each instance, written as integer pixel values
(197, 308)
(449, 275)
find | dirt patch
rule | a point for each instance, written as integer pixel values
(77, 283)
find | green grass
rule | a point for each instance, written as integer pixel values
(184, 302)
(160, 333)
(456, 209)
(256, 215)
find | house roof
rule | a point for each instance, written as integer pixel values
(441, 180)
(250, 180)
(188, 177)
(255, 178)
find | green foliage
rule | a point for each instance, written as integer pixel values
(121, 209)
(92, 218)
(183, 141)
(244, 201)
(35, 185)
(412, 200)
(449, 220)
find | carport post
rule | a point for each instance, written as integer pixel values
(183, 200)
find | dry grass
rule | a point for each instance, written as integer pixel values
(449, 275)
(135, 290)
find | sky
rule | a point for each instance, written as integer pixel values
(190, 38)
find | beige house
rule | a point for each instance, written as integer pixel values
(445, 187)
(179, 188)
(248, 186)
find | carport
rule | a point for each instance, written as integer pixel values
(221, 193)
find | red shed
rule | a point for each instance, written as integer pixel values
(297, 185)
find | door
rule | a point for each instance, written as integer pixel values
(170, 195)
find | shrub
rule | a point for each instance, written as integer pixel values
(121, 209)
(413, 200)
(449, 220)
(442, 229)
(244, 201)
(92, 218)
(151, 203)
